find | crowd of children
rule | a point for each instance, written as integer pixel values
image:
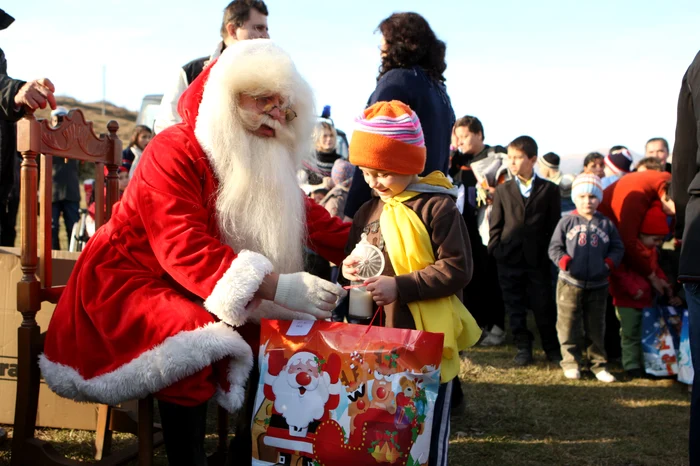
(559, 245)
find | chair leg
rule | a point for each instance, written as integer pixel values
(27, 400)
(146, 431)
(103, 433)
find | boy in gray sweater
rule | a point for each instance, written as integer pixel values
(586, 247)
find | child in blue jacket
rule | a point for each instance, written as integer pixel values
(586, 247)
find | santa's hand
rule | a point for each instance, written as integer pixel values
(305, 293)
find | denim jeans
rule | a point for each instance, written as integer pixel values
(692, 295)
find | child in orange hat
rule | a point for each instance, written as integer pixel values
(632, 292)
(415, 222)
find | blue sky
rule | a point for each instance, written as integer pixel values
(577, 76)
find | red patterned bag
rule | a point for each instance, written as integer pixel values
(337, 394)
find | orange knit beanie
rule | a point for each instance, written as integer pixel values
(388, 136)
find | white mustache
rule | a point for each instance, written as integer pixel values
(267, 120)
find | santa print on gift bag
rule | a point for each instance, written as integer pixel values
(658, 346)
(336, 394)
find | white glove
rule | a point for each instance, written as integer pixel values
(306, 293)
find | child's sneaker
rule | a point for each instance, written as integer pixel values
(573, 374)
(605, 376)
(495, 337)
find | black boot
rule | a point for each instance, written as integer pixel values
(183, 433)
(523, 357)
(554, 356)
(523, 341)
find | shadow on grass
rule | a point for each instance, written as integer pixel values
(533, 415)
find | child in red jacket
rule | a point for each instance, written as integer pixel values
(632, 292)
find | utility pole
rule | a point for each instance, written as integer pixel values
(104, 88)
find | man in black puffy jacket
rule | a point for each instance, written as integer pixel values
(16, 97)
(686, 195)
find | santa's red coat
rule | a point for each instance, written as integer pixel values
(156, 298)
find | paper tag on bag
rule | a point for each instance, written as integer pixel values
(299, 328)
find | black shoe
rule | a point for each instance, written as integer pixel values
(554, 356)
(635, 374)
(523, 357)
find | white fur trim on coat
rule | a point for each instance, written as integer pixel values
(237, 376)
(235, 289)
(177, 357)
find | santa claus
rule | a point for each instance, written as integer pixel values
(305, 390)
(207, 239)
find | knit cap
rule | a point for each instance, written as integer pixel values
(550, 160)
(587, 184)
(655, 221)
(565, 185)
(341, 172)
(388, 136)
(619, 161)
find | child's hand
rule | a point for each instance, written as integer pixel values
(638, 295)
(382, 289)
(675, 301)
(349, 270)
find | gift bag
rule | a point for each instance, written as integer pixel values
(337, 394)
(685, 364)
(657, 343)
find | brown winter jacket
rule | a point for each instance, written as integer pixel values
(453, 266)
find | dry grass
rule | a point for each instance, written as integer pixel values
(530, 416)
(534, 416)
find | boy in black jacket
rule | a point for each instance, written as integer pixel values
(525, 212)
(586, 247)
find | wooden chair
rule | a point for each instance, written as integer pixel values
(73, 139)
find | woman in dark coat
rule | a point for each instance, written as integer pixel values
(413, 63)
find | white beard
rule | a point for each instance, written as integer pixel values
(299, 411)
(259, 204)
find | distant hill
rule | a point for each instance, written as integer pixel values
(93, 112)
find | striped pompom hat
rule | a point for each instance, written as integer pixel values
(388, 136)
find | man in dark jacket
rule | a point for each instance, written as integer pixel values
(16, 97)
(686, 194)
(525, 213)
(243, 20)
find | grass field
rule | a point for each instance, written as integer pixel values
(531, 416)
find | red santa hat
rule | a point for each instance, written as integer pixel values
(255, 67)
(655, 221)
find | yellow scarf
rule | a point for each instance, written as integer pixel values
(409, 249)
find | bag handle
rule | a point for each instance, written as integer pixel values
(379, 311)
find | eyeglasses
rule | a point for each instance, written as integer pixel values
(267, 104)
